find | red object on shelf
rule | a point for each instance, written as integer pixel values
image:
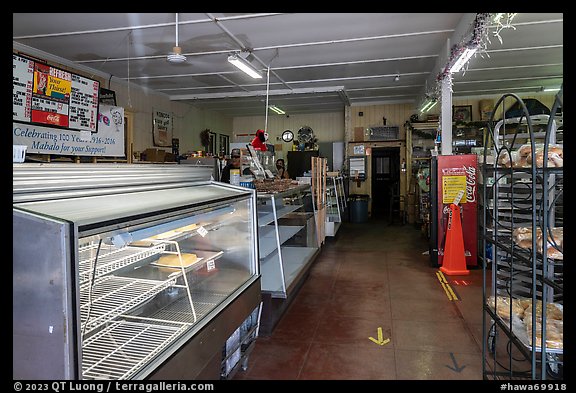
(454, 263)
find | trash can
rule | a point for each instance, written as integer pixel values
(358, 207)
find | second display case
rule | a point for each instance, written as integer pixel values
(288, 246)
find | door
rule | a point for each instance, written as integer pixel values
(385, 180)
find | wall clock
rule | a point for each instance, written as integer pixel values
(287, 136)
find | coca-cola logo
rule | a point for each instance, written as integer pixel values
(53, 119)
(470, 183)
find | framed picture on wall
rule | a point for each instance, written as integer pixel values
(224, 142)
(461, 113)
(212, 147)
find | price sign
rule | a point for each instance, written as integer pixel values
(47, 95)
(202, 231)
(210, 265)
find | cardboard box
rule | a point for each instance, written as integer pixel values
(155, 155)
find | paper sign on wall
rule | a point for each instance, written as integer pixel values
(107, 142)
(162, 128)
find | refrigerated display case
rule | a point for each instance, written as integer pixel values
(288, 246)
(141, 278)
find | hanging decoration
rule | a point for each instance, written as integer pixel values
(479, 38)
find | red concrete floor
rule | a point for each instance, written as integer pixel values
(374, 276)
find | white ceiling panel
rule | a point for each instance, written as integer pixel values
(317, 61)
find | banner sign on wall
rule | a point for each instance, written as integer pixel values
(162, 128)
(49, 96)
(109, 141)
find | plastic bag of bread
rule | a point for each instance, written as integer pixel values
(522, 233)
(553, 311)
(554, 333)
(555, 243)
(521, 162)
(503, 306)
(507, 158)
(526, 149)
(522, 236)
(555, 156)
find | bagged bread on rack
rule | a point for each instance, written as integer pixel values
(526, 149)
(502, 308)
(555, 156)
(555, 243)
(522, 236)
(553, 311)
(507, 158)
(554, 332)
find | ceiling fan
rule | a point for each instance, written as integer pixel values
(176, 55)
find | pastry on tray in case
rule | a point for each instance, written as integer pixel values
(165, 235)
(187, 228)
(172, 260)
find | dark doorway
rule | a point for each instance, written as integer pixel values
(385, 180)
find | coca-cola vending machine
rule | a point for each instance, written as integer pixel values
(454, 173)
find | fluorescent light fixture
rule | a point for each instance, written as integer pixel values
(431, 106)
(277, 110)
(552, 89)
(428, 105)
(464, 57)
(245, 66)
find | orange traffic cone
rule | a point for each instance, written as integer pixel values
(454, 263)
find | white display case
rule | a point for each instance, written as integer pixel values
(146, 279)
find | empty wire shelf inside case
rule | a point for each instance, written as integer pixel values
(121, 349)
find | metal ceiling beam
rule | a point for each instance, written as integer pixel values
(510, 79)
(514, 67)
(344, 97)
(141, 27)
(354, 62)
(348, 40)
(277, 92)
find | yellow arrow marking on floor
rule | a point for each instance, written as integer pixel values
(447, 288)
(380, 340)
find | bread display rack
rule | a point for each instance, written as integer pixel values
(522, 206)
(134, 281)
